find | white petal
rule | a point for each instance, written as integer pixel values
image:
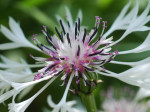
(145, 46)
(21, 86)
(144, 14)
(9, 46)
(142, 93)
(131, 22)
(123, 12)
(16, 28)
(61, 105)
(143, 28)
(7, 60)
(79, 15)
(6, 95)
(16, 35)
(117, 21)
(8, 33)
(21, 107)
(69, 17)
(25, 92)
(12, 64)
(63, 21)
(138, 75)
(144, 61)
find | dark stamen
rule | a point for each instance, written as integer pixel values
(96, 53)
(49, 68)
(50, 42)
(62, 34)
(68, 24)
(75, 30)
(105, 54)
(110, 59)
(95, 31)
(84, 36)
(58, 73)
(39, 47)
(55, 58)
(78, 52)
(103, 61)
(49, 36)
(62, 26)
(46, 47)
(79, 24)
(68, 39)
(73, 67)
(90, 69)
(89, 83)
(62, 58)
(99, 38)
(61, 38)
(97, 41)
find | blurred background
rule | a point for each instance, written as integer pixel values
(33, 14)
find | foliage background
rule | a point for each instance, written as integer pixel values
(33, 14)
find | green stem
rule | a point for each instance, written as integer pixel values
(89, 102)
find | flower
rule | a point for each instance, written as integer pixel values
(123, 104)
(71, 52)
(76, 55)
(16, 35)
(21, 74)
(68, 106)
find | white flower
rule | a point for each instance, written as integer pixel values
(72, 53)
(122, 103)
(21, 107)
(137, 75)
(66, 107)
(21, 74)
(15, 35)
(63, 105)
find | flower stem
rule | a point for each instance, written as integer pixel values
(89, 102)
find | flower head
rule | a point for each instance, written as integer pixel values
(72, 51)
(123, 103)
(73, 54)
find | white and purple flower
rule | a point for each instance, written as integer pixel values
(74, 54)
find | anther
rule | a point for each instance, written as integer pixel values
(78, 52)
(61, 38)
(94, 33)
(79, 24)
(62, 26)
(68, 24)
(75, 30)
(84, 36)
(68, 39)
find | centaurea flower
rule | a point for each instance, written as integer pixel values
(120, 101)
(71, 52)
(75, 55)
